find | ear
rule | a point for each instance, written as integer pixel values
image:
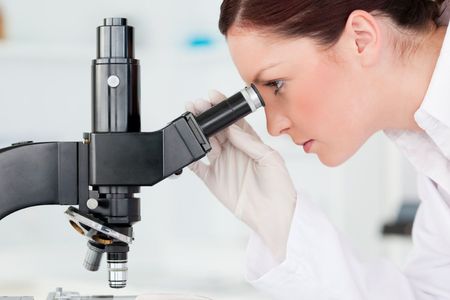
(363, 32)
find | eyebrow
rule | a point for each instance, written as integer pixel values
(257, 78)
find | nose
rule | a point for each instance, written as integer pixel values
(277, 123)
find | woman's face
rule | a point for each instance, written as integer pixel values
(310, 93)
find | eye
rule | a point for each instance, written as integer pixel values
(276, 84)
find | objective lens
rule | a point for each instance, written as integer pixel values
(230, 110)
(117, 269)
(118, 273)
(93, 256)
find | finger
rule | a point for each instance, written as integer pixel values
(215, 97)
(248, 143)
(248, 128)
(194, 106)
(200, 169)
(198, 106)
(244, 125)
(201, 106)
(222, 136)
(189, 106)
(215, 151)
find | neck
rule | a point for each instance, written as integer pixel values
(411, 77)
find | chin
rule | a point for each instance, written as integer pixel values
(334, 155)
(333, 160)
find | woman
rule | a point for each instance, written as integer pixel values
(332, 73)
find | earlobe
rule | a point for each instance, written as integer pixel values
(364, 32)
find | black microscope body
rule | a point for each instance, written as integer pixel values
(102, 174)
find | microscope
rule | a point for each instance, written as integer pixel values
(100, 177)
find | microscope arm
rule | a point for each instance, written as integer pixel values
(42, 173)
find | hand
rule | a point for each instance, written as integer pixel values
(249, 178)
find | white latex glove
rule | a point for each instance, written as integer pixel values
(249, 178)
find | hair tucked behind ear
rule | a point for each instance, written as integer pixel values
(323, 20)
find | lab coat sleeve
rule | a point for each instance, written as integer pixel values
(320, 264)
(428, 266)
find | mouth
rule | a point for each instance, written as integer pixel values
(306, 145)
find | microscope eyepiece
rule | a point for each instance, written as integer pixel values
(115, 39)
(114, 21)
(230, 110)
(253, 97)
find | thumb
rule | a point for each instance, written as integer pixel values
(248, 143)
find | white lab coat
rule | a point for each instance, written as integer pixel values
(320, 264)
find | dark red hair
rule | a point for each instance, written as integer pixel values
(323, 20)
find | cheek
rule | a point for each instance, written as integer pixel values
(326, 107)
(318, 98)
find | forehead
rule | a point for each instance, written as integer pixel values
(253, 50)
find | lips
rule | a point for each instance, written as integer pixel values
(307, 146)
(303, 143)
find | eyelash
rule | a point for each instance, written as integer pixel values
(277, 84)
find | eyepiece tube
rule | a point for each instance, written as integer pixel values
(230, 110)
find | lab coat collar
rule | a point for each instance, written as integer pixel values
(424, 154)
(429, 151)
(437, 99)
(433, 116)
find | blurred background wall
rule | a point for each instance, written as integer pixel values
(186, 242)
